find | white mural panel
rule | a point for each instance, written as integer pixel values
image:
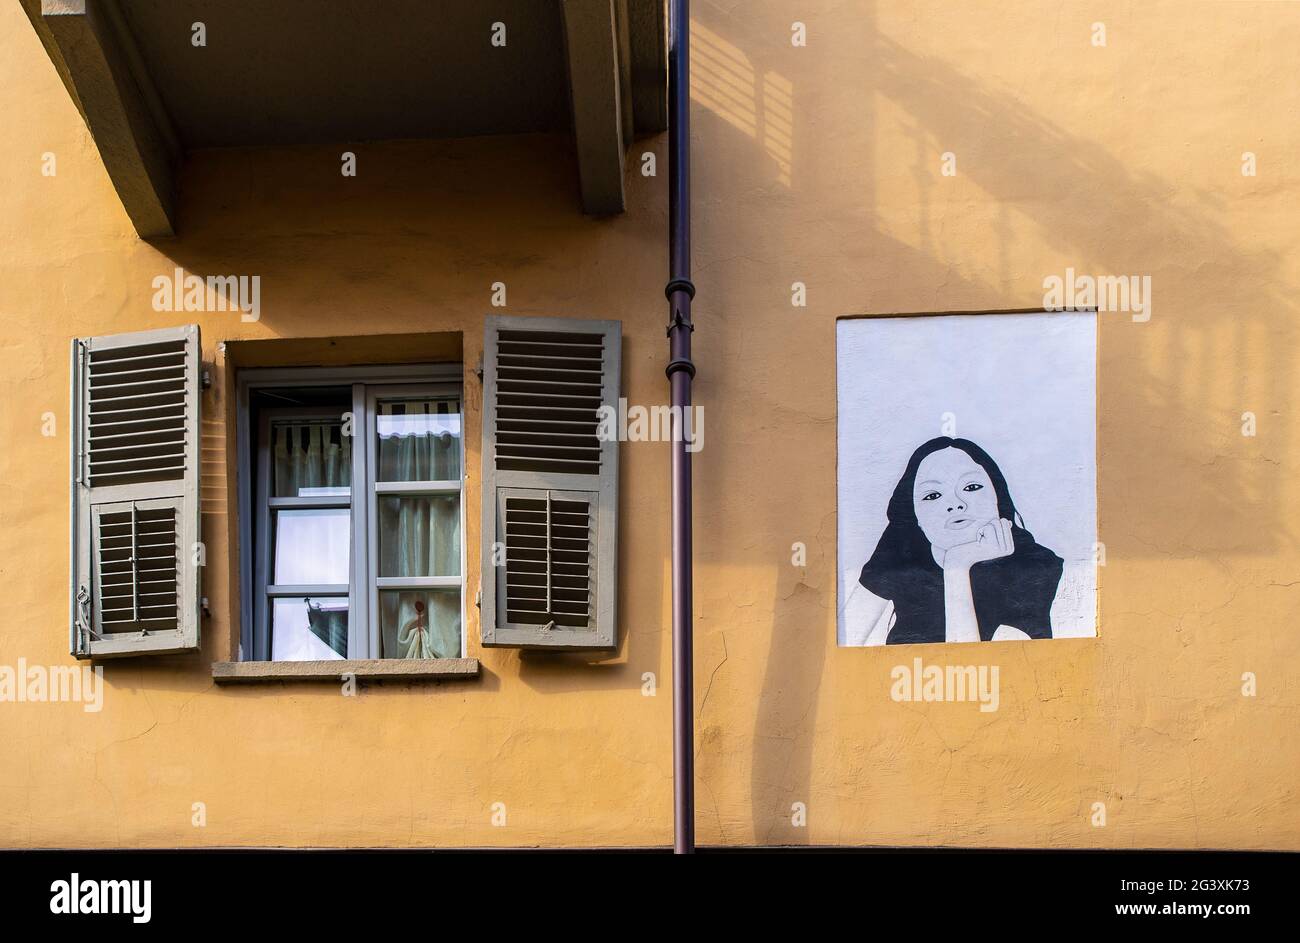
(967, 482)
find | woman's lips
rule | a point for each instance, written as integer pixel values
(958, 523)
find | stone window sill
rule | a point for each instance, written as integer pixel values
(379, 669)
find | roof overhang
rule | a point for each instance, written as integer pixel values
(297, 72)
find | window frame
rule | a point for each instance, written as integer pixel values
(368, 385)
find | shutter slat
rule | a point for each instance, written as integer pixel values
(143, 448)
(172, 380)
(138, 454)
(106, 363)
(171, 414)
(548, 382)
(118, 401)
(555, 410)
(547, 465)
(534, 349)
(164, 371)
(146, 437)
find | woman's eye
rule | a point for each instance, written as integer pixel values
(931, 496)
(973, 486)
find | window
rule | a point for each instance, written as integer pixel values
(357, 514)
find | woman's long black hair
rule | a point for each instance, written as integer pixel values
(1015, 590)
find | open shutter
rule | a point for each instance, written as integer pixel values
(550, 490)
(135, 493)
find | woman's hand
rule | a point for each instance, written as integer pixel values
(992, 541)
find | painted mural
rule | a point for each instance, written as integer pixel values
(967, 478)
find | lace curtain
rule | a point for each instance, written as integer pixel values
(310, 455)
(419, 535)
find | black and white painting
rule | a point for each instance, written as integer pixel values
(967, 484)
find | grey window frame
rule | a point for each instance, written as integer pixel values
(433, 380)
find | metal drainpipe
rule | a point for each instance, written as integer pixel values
(681, 371)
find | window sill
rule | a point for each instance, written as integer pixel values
(379, 669)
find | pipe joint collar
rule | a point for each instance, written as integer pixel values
(679, 284)
(678, 364)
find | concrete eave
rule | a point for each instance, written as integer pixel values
(614, 66)
(96, 58)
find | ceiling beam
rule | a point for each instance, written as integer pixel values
(648, 30)
(95, 55)
(598, 90)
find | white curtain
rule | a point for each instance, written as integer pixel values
(314, 454)
(419, 535)
(310, 455)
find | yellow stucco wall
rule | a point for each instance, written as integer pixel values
(818, 164)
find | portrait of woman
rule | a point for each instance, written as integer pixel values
(955, 562)
(989, 531)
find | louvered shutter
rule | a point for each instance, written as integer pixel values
(550, 492)
(135, 493)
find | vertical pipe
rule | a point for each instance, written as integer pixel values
(680, 372)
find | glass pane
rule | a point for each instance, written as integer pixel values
(312, 546)
(419, 535)
(309, 629)
(310, 458)
(419, 440)
(422, 623)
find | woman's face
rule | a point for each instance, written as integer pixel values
(953, 498)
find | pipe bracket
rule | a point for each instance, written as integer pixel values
(679, 320)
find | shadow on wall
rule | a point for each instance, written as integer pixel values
(1102, 208)
(1176, 479)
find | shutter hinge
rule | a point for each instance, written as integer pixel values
(84, 631)
(205, 378)
(478, 368)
